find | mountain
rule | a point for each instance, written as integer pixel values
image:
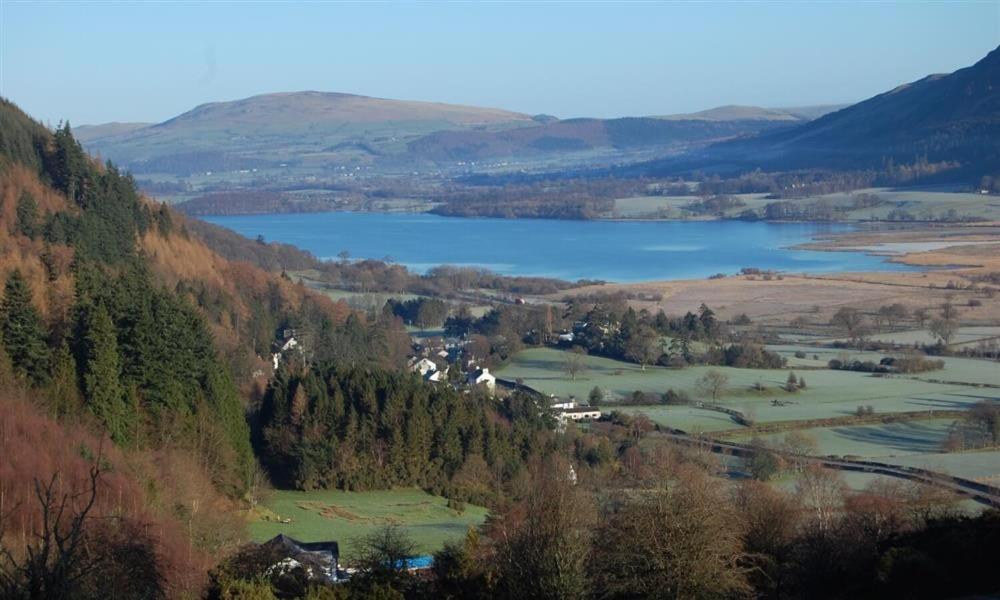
(583, 135)
(944, 118)
(312, 131)
(733, 112)
(91, 133)
(301, 128)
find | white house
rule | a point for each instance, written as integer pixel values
(290, 344)
(560, 404)
(423, 366)
(580, 413)
(483, 377)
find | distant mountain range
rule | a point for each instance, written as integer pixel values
(952, 117)
(314, 130)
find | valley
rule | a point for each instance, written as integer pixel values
(570, 300)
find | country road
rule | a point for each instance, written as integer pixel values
(980, 492)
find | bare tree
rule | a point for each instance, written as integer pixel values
(681, 541)
(852, 323)
(712, 383)
(542, 543)
(948, 310)
(893, 314)
(576, 361)
(644, 346)
(821, 492)
(944, 330)
(54, 561)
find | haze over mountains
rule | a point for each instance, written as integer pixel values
(313, 129)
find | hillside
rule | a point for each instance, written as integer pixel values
(951, 117)
(301, 127)
(310, 131)
(123, 334)
(734, 112)
(91, 133)
(585, 135)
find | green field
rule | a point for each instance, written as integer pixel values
(964, 335)
(828, 394)
(981, 466)
(346, 516)
(973, 371)
(879, 441)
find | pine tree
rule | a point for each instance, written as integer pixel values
(64, 392)
(27, 215)
(22, 331)
(102, 374)
(596, 396)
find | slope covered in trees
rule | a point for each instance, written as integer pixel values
(337, 426)
(121, 328)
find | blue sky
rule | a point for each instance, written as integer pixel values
(94, 62)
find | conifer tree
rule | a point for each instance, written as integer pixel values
(27, 215)
(22, 331)
(102, 374)
(64, 392)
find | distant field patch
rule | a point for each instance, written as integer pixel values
(972, 371)
(980, 466)
(964, 335)
(346, 516)
(874, 441)
(828, 393)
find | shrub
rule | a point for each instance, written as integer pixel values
(676, 397)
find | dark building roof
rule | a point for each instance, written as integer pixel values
(294, 546)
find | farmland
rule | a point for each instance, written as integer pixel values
(347, 516)
(828, 393)
(920, 203)
(877, 441)
(914, 441)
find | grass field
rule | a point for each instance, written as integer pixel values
(964, 335)
(874, 441)
(956, 369)
(828, 394)
(346, 516)
(981, 466)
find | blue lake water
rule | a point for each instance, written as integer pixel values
(609, 250)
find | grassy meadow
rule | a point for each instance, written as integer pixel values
(875, 441)
(347, 516)
(828, 393)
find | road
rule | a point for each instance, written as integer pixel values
(980, 492)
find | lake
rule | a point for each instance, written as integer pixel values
(610, 250)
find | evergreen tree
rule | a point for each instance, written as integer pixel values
(102, 374)
(64, 392)
(596, 396)
(27, 215)
(22, 331)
